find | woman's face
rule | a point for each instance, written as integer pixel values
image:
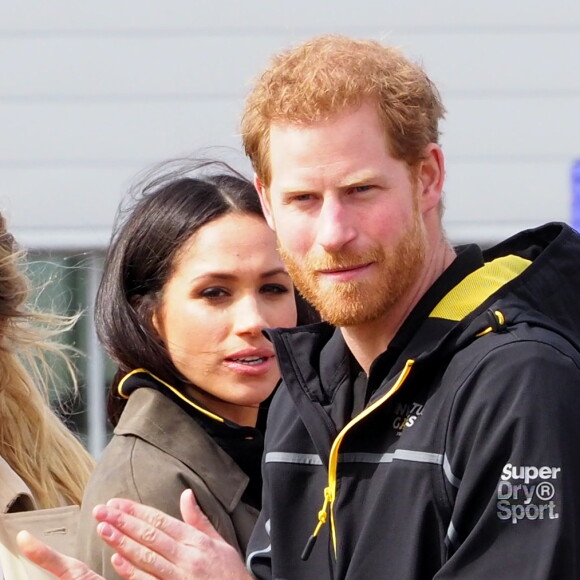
(228, 283)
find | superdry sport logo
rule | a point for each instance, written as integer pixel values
(527, 492)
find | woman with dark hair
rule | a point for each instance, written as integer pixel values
(191, 279)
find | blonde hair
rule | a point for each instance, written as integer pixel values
(33, 440)
(332, 73)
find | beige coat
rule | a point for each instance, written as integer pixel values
(57, 527)
(158, 451)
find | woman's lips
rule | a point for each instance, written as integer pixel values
(251, 362)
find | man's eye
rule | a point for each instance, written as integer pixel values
(302, 197)
(361, 188)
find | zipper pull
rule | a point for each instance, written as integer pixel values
(308, 548)
(322, 517)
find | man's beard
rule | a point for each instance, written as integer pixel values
(358, 302)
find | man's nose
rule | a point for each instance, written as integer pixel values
(335, 226)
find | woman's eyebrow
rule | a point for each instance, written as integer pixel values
(229, 276)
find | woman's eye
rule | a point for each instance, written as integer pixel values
(213, 293)
(274, 289)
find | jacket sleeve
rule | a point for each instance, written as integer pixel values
(133, 469)
(511, 465)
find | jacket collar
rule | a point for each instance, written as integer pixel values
(15, 495)
(156, 419)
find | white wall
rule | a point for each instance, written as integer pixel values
(92, 92)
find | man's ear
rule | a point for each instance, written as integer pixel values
(431, 177)
(264, 201)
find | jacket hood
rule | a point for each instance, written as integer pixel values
(537, 284)
(550, 286)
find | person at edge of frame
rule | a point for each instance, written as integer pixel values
(43, 466)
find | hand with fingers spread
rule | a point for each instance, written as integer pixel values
(151, 544)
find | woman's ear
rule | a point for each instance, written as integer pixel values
(155, 323)
(148, 312)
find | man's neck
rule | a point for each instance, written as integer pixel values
(367, 341)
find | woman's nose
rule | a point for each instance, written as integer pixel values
(249, 317)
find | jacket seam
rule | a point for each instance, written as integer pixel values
(132, 469)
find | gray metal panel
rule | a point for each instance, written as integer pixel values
(196, 66)
(255, 15)
(92, 94)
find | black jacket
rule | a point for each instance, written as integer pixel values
(464, 462)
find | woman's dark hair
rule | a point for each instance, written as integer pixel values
(166, 210)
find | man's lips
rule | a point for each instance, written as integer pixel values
(345, 273)
(341, 269)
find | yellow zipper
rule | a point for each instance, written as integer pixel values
(330, 490)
